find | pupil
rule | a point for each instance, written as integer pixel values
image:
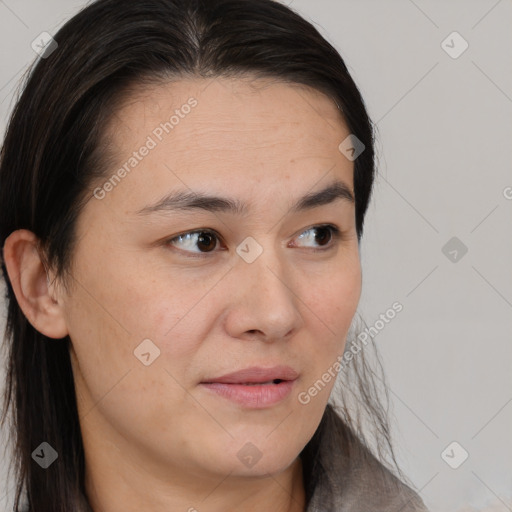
(204, 236)
(326, 231)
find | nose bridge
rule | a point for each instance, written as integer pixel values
(263, 260)
(265, 288)
(269, 277)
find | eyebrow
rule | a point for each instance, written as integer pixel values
(185, 200)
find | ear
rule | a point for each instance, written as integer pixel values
(31, 284)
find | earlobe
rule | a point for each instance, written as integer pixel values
(31, 284)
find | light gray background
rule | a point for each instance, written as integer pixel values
(445, 137)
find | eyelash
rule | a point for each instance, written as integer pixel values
(336, 236)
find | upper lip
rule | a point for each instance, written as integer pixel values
(256, 374)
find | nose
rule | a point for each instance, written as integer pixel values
(263, 302)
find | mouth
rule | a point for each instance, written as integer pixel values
(255, 387)
(275, 381)
(257, 375)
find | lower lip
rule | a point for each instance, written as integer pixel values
(255, 396)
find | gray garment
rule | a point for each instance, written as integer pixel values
(359, 483)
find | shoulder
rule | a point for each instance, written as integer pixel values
(349, 478)
(370, 486)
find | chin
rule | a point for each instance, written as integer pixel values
(262, 469)
(261, 457)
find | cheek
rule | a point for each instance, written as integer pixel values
(332, 302)
(333, 297)
(110, 342)
(122, 304)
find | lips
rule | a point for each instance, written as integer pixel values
(255, 387)
(257, 375)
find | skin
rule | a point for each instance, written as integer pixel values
(154, 438)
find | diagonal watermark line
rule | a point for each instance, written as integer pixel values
(422, 280)
(12, 78)
(3, 3)
(280, 423)
(412, 206)
(97, 402)
(315, 110)
(483, 483)
(100, 305)
(419, 491)
(327, 172)
(423, 487)
(405, 405)
(488, 215)
(498, 292)
(501, 409)
(215, 488)
(492, 8)
(194, 193)
(286, 490)
(309, 190)
(327, 327)
(424, 14)
(410, 90)
(9, 94)
(200, 404)
(492, 81)
(231, 268)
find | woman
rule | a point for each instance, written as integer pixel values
(183, 189)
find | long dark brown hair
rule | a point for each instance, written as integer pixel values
(53, 152)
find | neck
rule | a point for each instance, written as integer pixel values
(113, 485)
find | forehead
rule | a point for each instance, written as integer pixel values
(229, 109)
(257, 95)
(229, 131)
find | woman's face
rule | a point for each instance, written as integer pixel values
(154, 317)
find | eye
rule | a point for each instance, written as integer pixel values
(202, 238)
(206, 240)
(329, 234)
